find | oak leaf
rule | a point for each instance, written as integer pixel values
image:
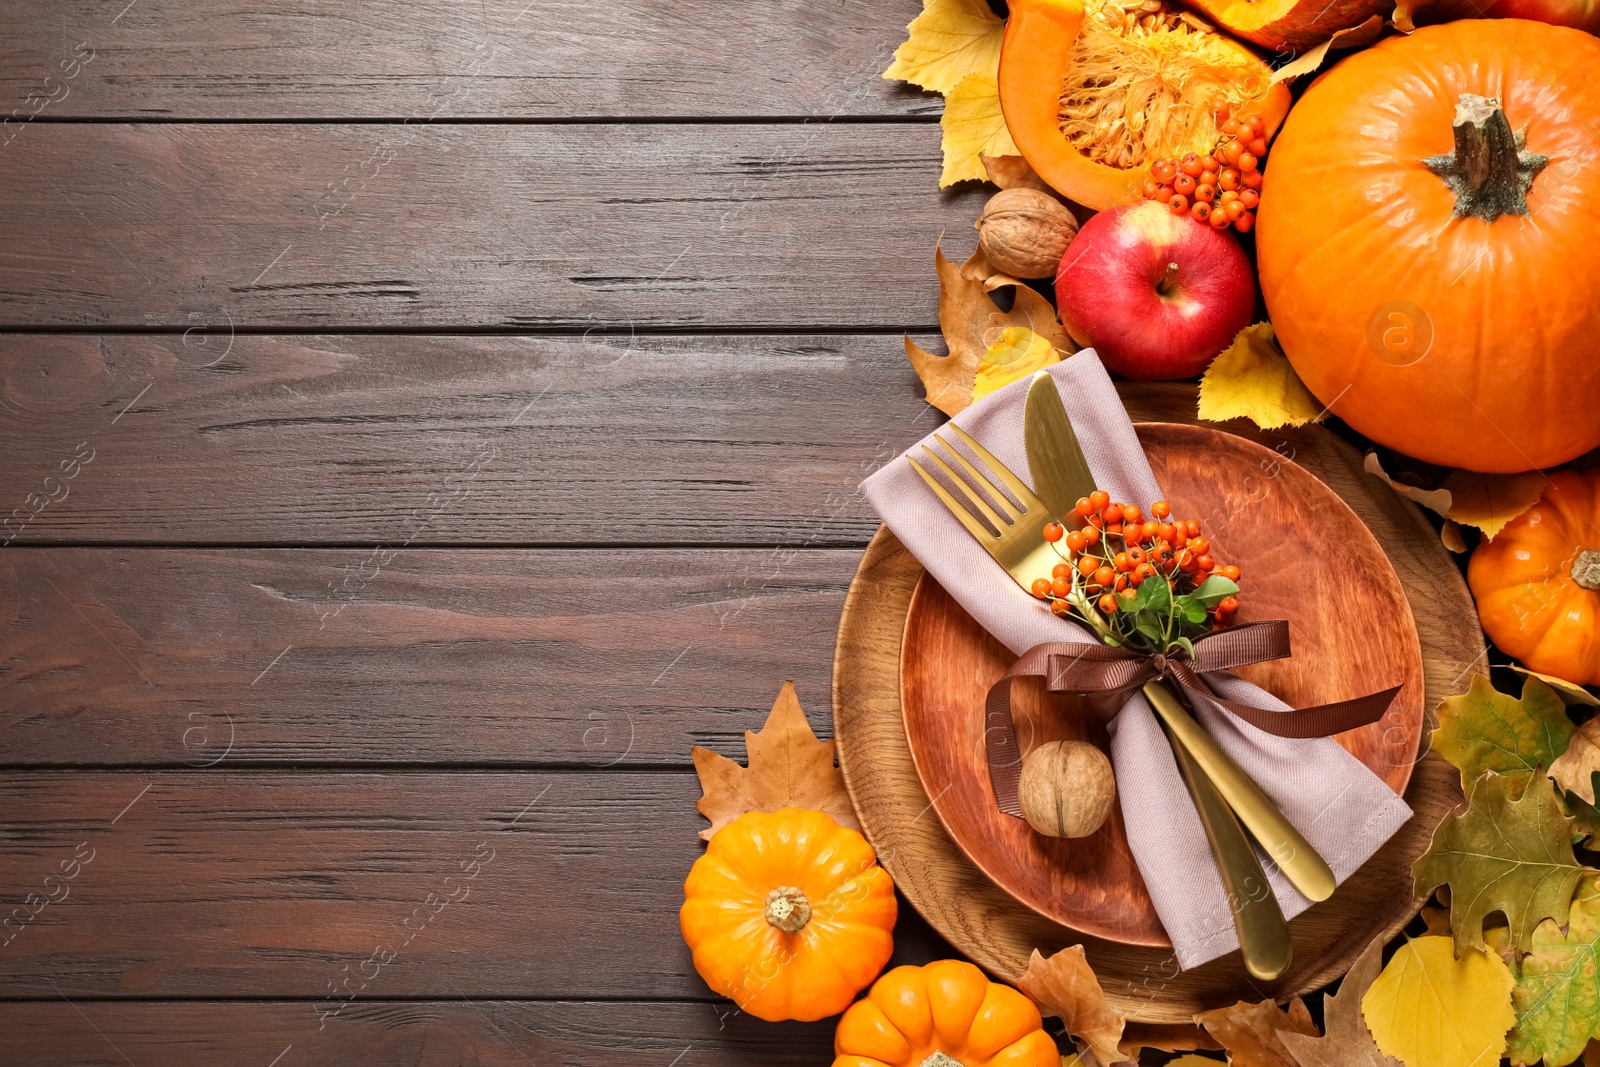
(1511, 856)
(972, 127)
(1065, 986)
(1585, 814)
(1486, 501)
(1348, 1042)
(1017, 354)
(1486, 730)
(1252, 379)
(1572, 768)
(1557, 995)
(1430, 1009)
(970, 321)
(789, 768)
(949, 40)
(1253, 1034)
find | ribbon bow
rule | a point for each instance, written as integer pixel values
(1108, 676)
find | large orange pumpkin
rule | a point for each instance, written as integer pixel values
(789, 914)
(1430, 275)
(1094, 91)
(946, 1013)
(1538, 582)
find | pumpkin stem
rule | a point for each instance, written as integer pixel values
(1586, 569)
(1489, 172)
(939, 1059)
(788, 909)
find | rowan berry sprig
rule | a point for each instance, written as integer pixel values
(1222, 186)
(1149, 583)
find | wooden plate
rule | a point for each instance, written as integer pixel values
(984, 923)
(1311, 561)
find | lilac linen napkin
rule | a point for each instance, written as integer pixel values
(1343, 809)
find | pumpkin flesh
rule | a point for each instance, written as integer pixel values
(743, 906)
(1456, 340)
(1530, 601)
(1094, 92)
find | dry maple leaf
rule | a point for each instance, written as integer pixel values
(972, 127)
(949, 40)
(977, 268)
(1252, 379)
(1065, 986)
(1253, 1033)
(1348, 1042)
(789, 768)
(1573, 767)
(1487, 501)
(970, 322)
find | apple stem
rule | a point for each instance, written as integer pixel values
(1164, 286)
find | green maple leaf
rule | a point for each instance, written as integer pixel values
(1557, 995)
(1485, 730)
(1511, 856)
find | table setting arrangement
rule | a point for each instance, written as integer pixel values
(1239, 633)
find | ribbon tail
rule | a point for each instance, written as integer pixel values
(1323, 720)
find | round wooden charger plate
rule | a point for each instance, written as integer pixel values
(1311, 561)
(987, 924)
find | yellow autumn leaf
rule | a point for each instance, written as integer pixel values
(1429, 1009)
(1017, 354)
(1252, 379)
(948, 41)
(973, 128)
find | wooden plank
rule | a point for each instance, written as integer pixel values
(569, 227)
(601, 658)
(505, 59)
(485, 1033)
(430, 440)
(345, 887)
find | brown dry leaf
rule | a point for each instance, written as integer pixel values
(1253, 1033)
(1013, 172)
(1063, 985)
(1487, 501)
(789, 768)
(1450, 535)
(970, 322)
(977, 268)
(1351, 37)
(1196, 1061)
(1348, 1042)
(1437, 921)
(1569, 692)
(1176, 1037)
(1572, 768)
(1405, 11)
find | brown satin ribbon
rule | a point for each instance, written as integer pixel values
(1107, 676)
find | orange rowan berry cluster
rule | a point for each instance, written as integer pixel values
(1117, 549)
(1223, 186)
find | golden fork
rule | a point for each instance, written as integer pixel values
(1017, 543)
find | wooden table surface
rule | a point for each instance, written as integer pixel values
(422, 424)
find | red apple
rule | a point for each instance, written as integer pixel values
(1157, 295)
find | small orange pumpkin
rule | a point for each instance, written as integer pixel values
(788, 914)
(1538, 582)
(1093, 93)
(946, 1014)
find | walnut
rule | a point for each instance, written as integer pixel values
(1024, 232)
(1066, 789)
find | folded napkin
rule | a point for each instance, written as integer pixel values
(1344, 810)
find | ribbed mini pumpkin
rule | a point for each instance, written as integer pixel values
(788, 914)
(1538, 582)
(945, 1014)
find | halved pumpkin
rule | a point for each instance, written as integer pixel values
(1094, 92)
(1290, 25)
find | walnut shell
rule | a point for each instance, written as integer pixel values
(1024, 232)
(1066, 789)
